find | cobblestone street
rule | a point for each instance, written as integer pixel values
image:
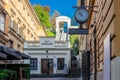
(56, 79)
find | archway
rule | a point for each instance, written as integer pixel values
(58, 32)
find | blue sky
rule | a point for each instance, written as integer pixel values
(62, 6)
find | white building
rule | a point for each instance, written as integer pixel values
(50, 55)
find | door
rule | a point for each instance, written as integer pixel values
(47, 66)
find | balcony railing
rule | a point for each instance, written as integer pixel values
(32, 44)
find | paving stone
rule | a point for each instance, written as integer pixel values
(56, 78)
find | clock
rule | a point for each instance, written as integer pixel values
(81, 15)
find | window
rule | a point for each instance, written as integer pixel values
(33, 63)
(7, 1)
(2, 22)
(28, 32)
(12, 12)
(19, 5)
(11, 44)
(11, 24)
(18, 29)
(19, 47)
(31, 35)
(34, 38)
(60, 63)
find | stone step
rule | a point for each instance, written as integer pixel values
(46, 75)
(74, 72)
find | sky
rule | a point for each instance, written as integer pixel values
(64, 7)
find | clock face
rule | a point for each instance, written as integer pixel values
(81, 15)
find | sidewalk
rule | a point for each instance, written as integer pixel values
(56, 78)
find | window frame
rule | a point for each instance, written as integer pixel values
(60, 64)
(33, 64)
(2, 23)
(11, 43)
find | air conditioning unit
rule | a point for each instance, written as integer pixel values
(115, 69)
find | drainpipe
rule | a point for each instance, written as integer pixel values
(95, 59)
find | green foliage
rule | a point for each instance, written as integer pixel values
(50, 33)
(3, 76)
(26, 72)
(74, 43)
(76, 48)
(7, 73)
(46, 8)
(43, 15)
(72, 39)
(53, 19)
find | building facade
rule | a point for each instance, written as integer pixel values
(48, 56)
(20, 23)
(104, 38)
(3, 25)
(51, 55)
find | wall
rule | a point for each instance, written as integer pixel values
(105, 21)
(52, 54)
(21, 23)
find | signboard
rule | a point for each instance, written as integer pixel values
(82, 31)
(16, 62)
(47, 42)
(106, 69)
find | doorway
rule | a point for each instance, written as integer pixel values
(47, 66)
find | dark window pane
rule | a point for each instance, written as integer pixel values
(33, 63)
(60, 64)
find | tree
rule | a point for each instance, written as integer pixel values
(53, 19)
(46, 8)
(43, 15)
(74, 43)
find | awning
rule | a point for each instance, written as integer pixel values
(24, 56)
(3, 56)
(11, 54)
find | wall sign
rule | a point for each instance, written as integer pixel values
(47, 42)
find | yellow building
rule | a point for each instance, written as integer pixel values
(18, 22)
(22, 22)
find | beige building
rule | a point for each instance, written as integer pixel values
(18, 22)
(3, 25)
(106, 21)
(22, 23)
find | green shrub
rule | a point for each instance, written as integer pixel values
(26, 72)
(3, 75)
(7, 73)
